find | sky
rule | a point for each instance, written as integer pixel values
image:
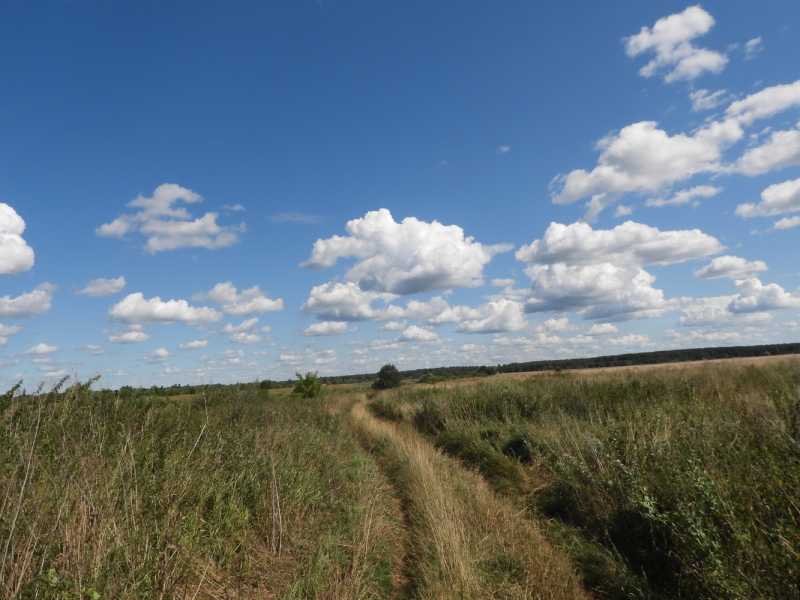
(220, 192)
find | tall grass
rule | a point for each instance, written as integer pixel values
(465, 541)
(104, 496)
(661, 484)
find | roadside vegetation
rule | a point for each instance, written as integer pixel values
(677, 483)
(635, 484)
(226, 494)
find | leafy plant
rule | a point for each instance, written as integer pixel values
(309, 386)
(388, 377)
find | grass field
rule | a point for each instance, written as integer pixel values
(680, 482)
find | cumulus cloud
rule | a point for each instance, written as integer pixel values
(754, 296)
(158, 356)
(623, 211)
(561, 325)
(325, 328)
(405, 258)
(786, 223)
(599, 272)
(602, 329)
(393, 326)
(93, 349)
(629, 243)
(686, 196)
(41, 349)
(103, 287)
(336, 301)
(251, 301)
(715, 312)
(781, 150)
(776, 199)
(415, 333)
(128, 337)
(6, 330)
(244, 326)
(642, 158)
(494, 317)
(732, 267)
(706, 100)
(135, 309)
(168, 226)
(30, 304)
(675, 55)
(245, 338)
(194, 345)
(15, 254)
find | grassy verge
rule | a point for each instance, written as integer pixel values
(466, 542)
(228, 494)
(660, 484)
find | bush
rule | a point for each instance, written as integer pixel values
(309, 386)
(388, 377)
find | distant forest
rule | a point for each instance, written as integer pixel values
(619, 360)
(439, 373)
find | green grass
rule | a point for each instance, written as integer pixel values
(659, 484)
(146, 497)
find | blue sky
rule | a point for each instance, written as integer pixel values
(213, 193)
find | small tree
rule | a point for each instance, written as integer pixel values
(388, 377)
(309, 386)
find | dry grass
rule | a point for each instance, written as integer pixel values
(466, 541)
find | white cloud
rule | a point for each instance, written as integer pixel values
(561, 325)
(495, 317)
(715, 312)
(776, 199)
(629, 243)
(103, 287)
(754, 296)
(766, 103)
(158, 356)
(705, 100)
(623, 211)
(93, 349)
(245, 338)
(786, 223)
(418, 334)
(15, 254)
(670, 40)
(128, 337)
(251, 301)
(348, 302)
(233, 208)
(686, 196)
(6, 330)
(504, 150)
(405, 258)
(628, 341)
(503, 282)
(752, 48)
(29, 304)
(194, 345)
(135, 309)
(170, 369)
(602, 291)
(732, 267)
(602, 329)
(643, 158)
(325, 328)
(782, 150)
(167, 226)
(41, 349)
(393, 326)
(244, 326)
(326, 357)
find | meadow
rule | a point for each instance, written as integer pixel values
(679, 482)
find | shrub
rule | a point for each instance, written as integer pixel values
(388, 377)
(309, 386)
